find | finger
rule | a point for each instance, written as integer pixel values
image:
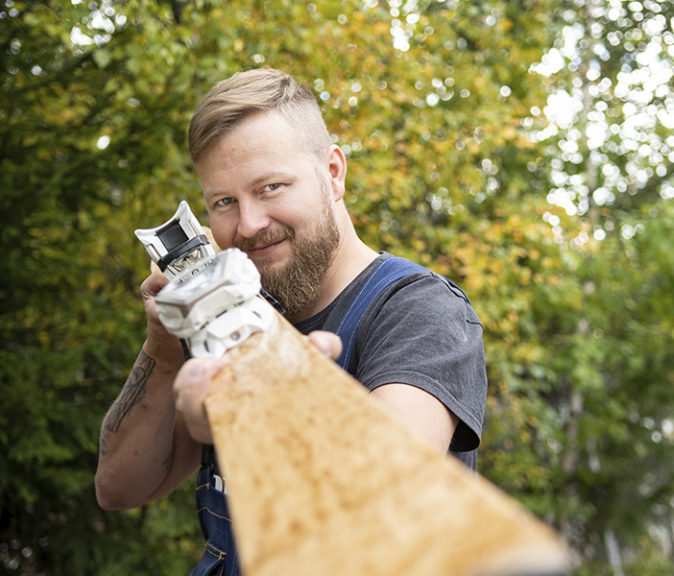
(327, 342)
(194, 378)
(152, 285)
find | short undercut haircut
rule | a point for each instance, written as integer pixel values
(248, 93)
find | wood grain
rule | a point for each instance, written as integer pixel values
(323, 482)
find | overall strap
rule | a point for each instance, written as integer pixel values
(388, 270)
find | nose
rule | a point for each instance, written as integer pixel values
(253, 218)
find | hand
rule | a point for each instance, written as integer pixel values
(193, 383)
(160, 343)
(190, 388)
(327, 342)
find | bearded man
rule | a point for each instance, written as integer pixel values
(274, 186)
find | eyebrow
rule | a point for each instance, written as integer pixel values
(265, 177)
(208, 194)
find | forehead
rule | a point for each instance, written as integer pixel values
(261, 142)
(264, 130)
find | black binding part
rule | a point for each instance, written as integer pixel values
(185, 247)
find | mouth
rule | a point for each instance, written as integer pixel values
(263, 250)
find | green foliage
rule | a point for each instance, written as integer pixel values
(451, 163)
(71, 314)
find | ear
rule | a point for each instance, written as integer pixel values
(337, 172)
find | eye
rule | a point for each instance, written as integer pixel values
(272, 187)
(224, 202)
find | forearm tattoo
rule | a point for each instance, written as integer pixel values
(132, 393)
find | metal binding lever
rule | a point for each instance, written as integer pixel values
(212, 301)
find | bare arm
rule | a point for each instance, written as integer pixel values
(421, 412)
(145, 450)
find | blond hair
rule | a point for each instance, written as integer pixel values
(247, 93)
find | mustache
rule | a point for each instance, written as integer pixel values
(264, 238)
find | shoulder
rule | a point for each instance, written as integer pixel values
(422, 331)
(421, 313)
(425, 293)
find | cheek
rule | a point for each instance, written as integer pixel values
(223, 232)
(301, 214)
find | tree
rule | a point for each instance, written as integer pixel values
(445, 110)
(611, 169)
(81, 138)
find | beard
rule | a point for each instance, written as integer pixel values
(297, 285)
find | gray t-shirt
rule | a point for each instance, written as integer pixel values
(422, 332)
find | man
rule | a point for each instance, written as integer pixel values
(274, 187)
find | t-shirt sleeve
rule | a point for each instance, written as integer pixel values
(424, 333)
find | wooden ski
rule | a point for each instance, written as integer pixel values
(322, 481)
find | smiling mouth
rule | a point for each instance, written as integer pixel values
(264, 243)
(263, 249)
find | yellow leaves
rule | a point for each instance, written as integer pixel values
(505, 24)
(380, 28)
(524, 276)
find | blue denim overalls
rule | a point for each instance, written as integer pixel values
(220, 557)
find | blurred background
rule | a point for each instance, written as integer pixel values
(525, 149)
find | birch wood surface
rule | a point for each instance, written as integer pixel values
(323, 482)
